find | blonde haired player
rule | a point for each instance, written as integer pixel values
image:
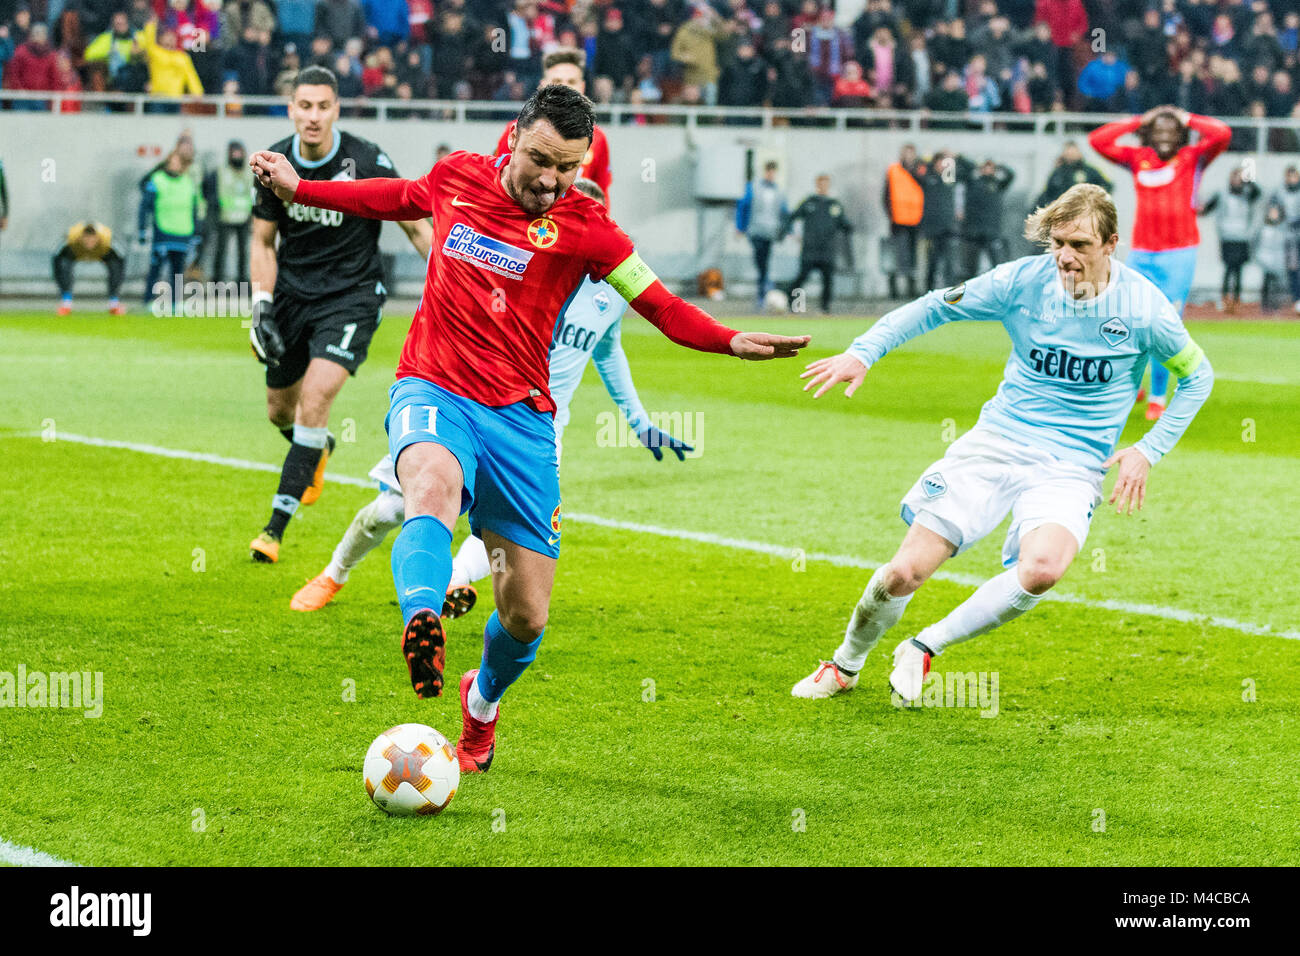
(1082, 327)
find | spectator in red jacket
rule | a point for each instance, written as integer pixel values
(851, 89)
(34, 65)
(1069, 23)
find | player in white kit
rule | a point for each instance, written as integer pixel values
(1082, 327)
(590, 329)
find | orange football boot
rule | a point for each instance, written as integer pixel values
(265, 548)
(318, 480)
(315, 594)
(459, 601)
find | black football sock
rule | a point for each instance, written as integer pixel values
(287, 432)
(295, 478)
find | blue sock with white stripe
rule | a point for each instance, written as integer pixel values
(505, 657)
(422, 565)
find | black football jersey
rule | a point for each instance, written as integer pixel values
(321, 251)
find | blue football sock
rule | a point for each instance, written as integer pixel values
(504, 659)
(1159, 381)
(422, 565)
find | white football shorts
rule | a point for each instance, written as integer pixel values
(386, 474)
(965, 495)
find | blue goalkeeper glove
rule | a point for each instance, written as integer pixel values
(657, 441)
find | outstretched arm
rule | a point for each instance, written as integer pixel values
(380, 198)
(688, 325)
(983, 298)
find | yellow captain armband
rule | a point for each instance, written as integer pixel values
(631, 277)
(1184, 363)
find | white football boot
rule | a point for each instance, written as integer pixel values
(826, 681)
(911, 664)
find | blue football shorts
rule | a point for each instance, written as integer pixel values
(507, 453)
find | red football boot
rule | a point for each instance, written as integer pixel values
(478, 740)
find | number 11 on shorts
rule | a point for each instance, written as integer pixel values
(404, 420)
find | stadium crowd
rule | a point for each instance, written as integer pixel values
(1223, 57)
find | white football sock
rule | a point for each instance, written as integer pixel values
(471, 562)
(996, 601)
(874, 614)
(370, 526)
(479, 708)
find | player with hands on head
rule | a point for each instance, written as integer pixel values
(1083, 326)
(470, 420)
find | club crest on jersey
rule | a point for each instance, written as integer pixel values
(542, 232)
(933, 485)
(469, 245)
(953, 296)
(1114, 332)
(601, 301)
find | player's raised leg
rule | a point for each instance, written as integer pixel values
(368, 529)
(432, 479)
(510, 640)
(882, 604)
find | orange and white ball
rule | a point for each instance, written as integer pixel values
(411, 769)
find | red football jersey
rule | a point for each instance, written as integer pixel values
(1166, 191)
(499, 277)
(595, 165)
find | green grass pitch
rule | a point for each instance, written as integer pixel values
(657, 725)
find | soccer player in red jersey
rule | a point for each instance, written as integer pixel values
(565, 67)
(1166, 171)
(470, 417)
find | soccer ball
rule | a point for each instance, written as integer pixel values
(411, 769)
(775, 301)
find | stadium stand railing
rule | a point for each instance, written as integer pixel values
(1258, 129)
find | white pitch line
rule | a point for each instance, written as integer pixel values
(743, 544)
(966, 580)
(16, 855)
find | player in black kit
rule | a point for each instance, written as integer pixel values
(314, 330)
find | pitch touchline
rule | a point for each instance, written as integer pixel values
(743, 544)
(16, 855)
